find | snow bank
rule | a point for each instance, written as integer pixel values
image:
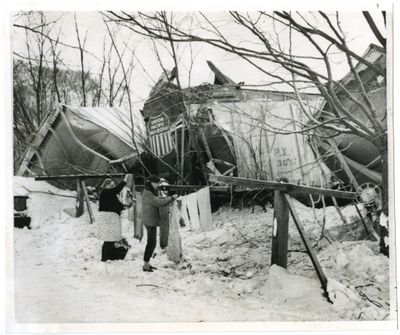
(225, 276)
(44, 200)
(285, 291)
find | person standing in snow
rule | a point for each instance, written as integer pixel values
(151, 203)
(109, 222)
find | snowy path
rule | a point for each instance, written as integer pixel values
(226, 275)
(51, 288)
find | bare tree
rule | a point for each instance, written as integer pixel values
(270, 38)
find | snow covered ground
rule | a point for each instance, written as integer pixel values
(225, 276)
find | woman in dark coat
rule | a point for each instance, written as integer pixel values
(114, 246)
(151, 217)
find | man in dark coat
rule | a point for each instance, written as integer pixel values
(151, 217)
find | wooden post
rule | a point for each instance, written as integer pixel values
(89, 207)
(182, 150)
(204, 139)
(280, 230)
(307, 244)
(79, 199)
(339, 210)
(208, 151)
(176, 149)
(369, 231)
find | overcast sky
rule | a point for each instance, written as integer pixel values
(147, 68)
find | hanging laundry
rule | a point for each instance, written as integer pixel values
(163, 187)
(174, 248)
(131, 214)
(184, 217)
(192, 209)
(203, 200)
(138, 224)
(125, 197)
(164, 225)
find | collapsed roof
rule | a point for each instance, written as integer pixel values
(83, 140)
(99, 139)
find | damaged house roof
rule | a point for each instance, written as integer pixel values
(83, 140)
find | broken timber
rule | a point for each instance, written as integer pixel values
(180, 188)
(82, 193)
(82, 176)
(280, 230)
(282, 206)
(79, 199)
(89, 207)
(279, 186)
(307, 244)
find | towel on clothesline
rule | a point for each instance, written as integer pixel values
(191, 204)
(164, 225)
(137, 222)
(174, 248)
(204, 204)
(198, 206)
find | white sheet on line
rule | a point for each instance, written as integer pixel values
(203, 200)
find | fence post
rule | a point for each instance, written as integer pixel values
(79, 199)
(86, 195)
(280, 230)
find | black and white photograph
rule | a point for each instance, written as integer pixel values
(201, 167)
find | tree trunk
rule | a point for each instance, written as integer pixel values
(384, 218)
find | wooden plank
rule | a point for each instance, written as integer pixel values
(343, 161)
(227, 140)
(208, 151)
(280, 231)
(35, 141)
(249, 183)
(339, 210)
(204, 139)
(321, 191)
(373, 175)
(365, 170)
(39, 158)
(307, 244)
(79, 199)
(183, 150)
(219, 75)
(176, 148)
(187, 188)
(278, 186)
(81, 176)
(369, 231)
(88, 205)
